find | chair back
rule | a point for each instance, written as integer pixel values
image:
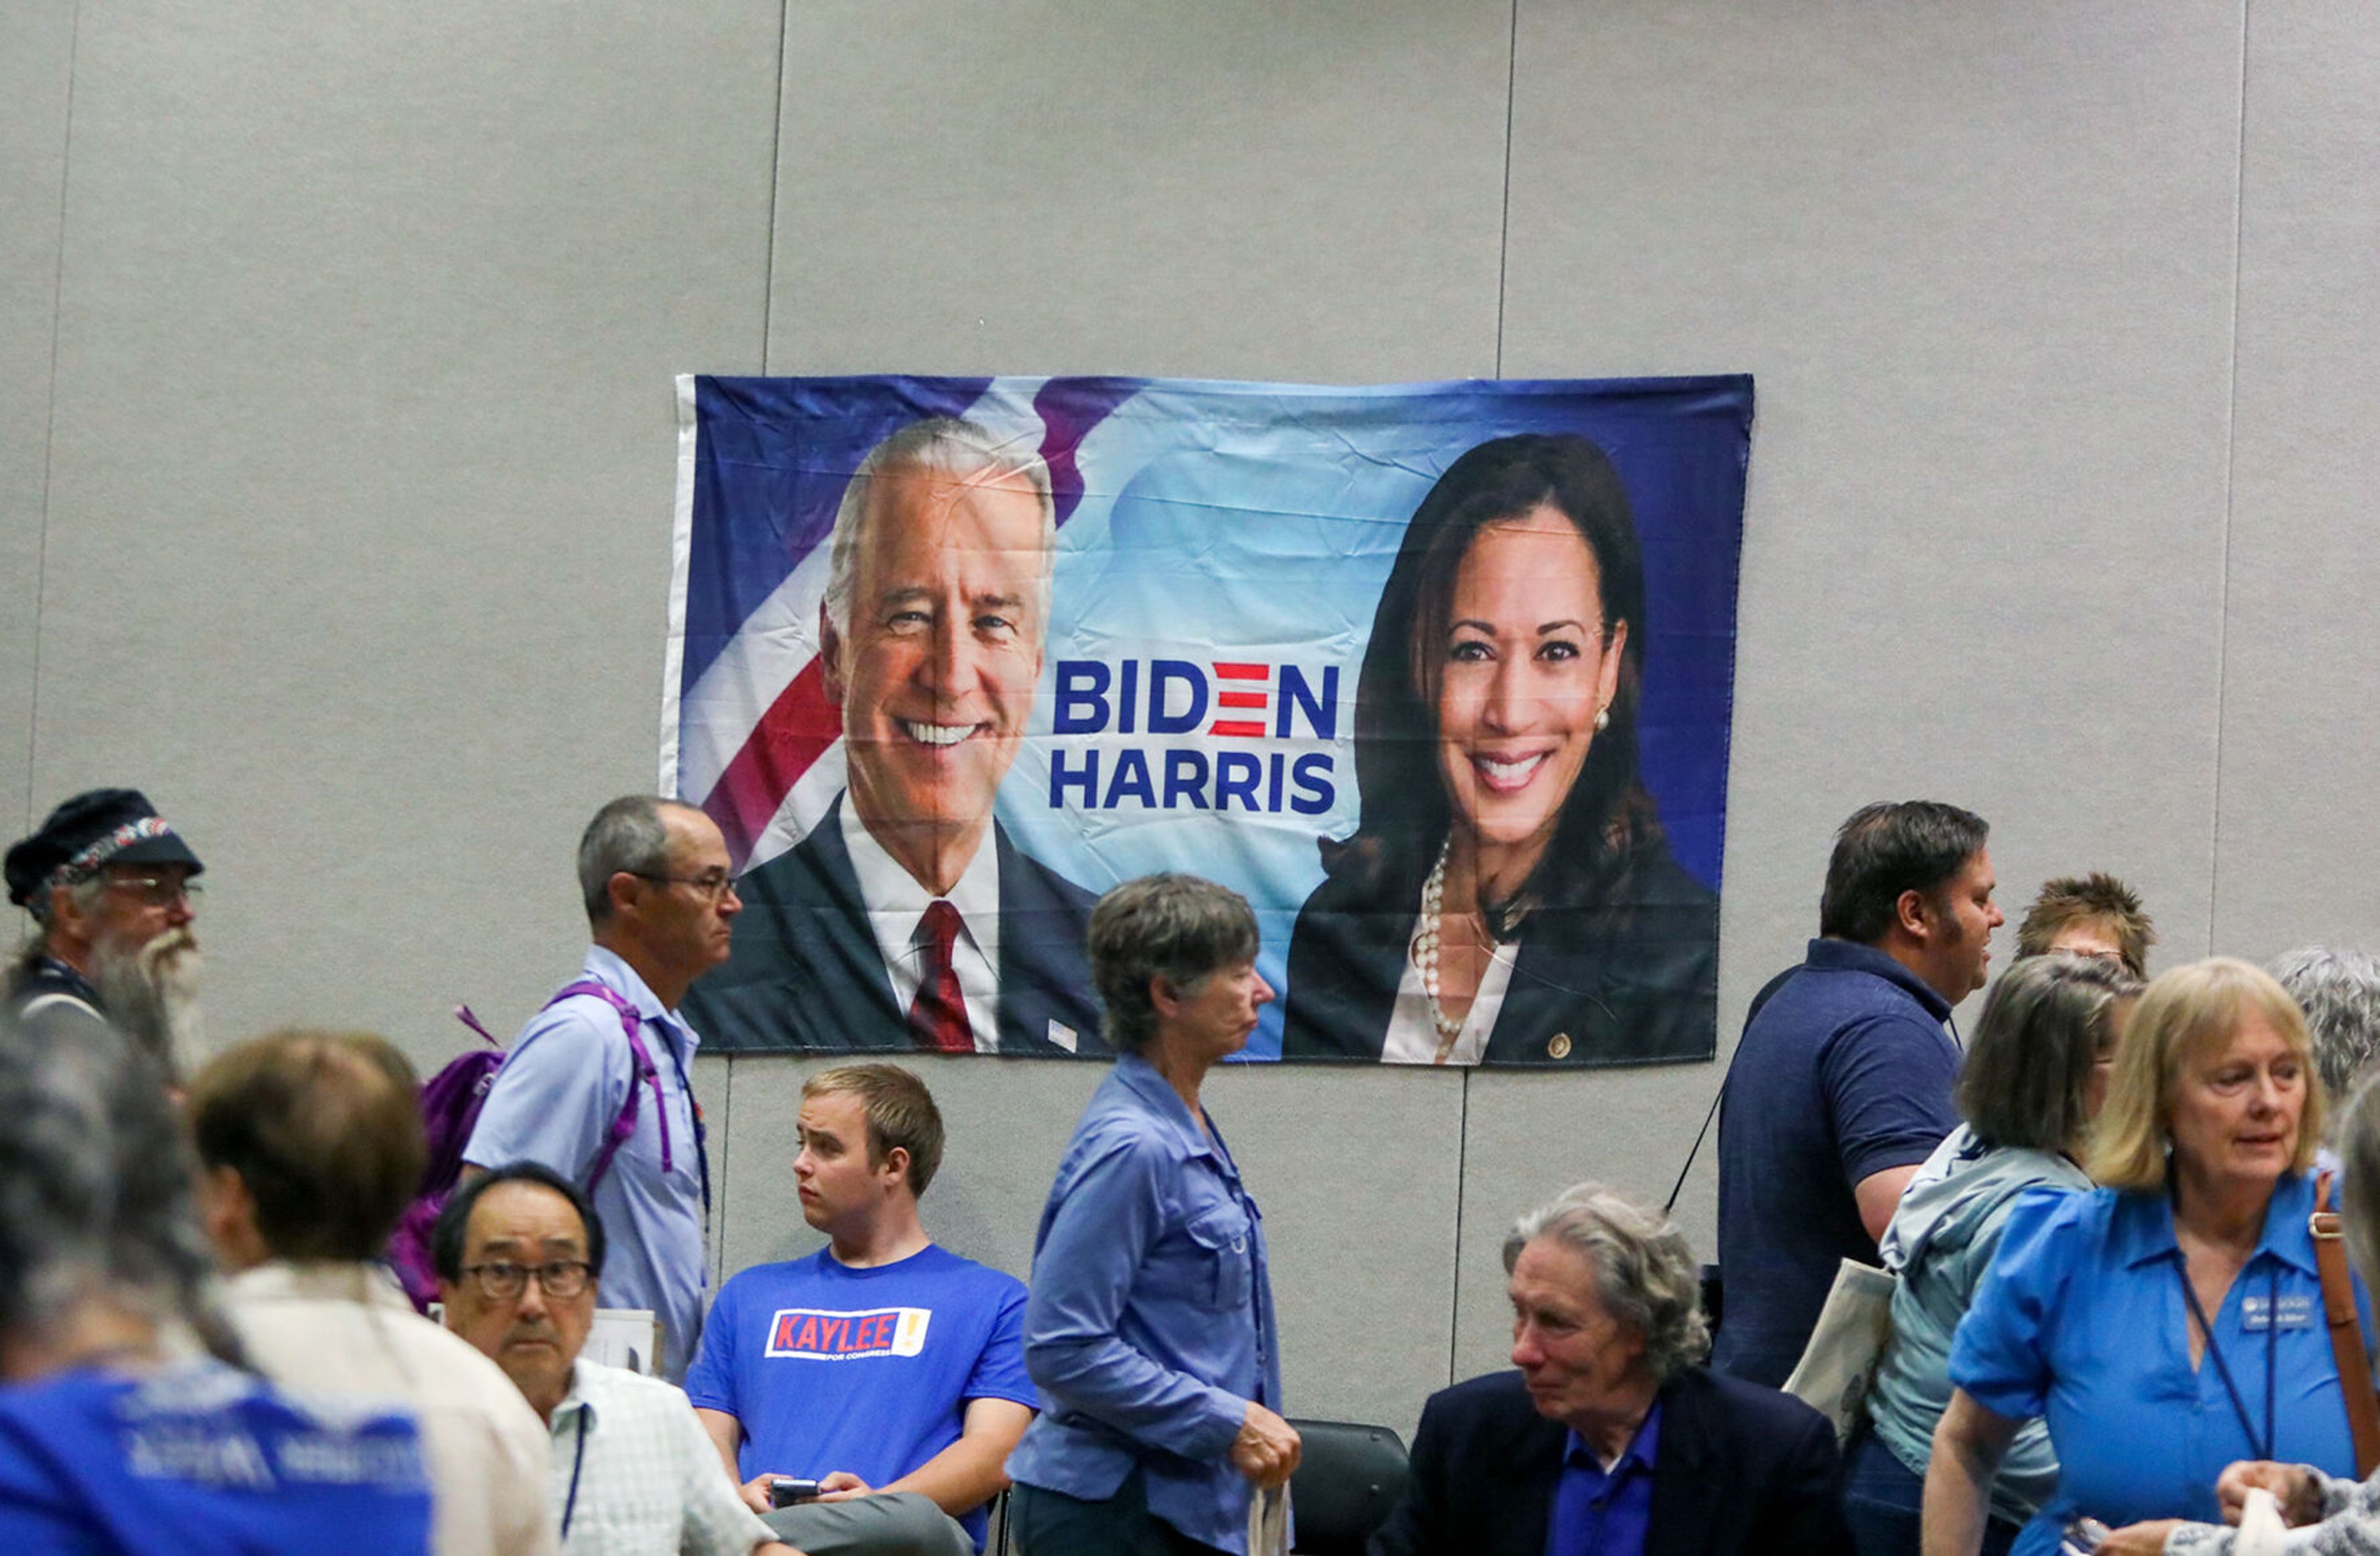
(1348, 1478)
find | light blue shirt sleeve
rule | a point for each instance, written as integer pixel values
(560, 1087)
(2001, 1355)
(1083, 1276)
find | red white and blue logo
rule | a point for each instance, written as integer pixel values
(819, 1334)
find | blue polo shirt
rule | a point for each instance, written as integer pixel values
(1150, 1324)
(564, 1081)
(2081, 1319)
(1844, 1071)
(1605, 1513)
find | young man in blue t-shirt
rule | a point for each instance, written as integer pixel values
(889, 1371)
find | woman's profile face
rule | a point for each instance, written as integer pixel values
(2233, 1109)
(1528, 666)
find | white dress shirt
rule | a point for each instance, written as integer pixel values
(634, 1474)
(896, 911)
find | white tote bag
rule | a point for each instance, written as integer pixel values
(1838, 1367)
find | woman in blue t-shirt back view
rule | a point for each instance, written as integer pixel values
(122, 1426)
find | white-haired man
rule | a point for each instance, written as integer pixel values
(111, 887)
(1609, 1440)
(907, 918)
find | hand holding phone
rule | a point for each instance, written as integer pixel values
(787, 1491)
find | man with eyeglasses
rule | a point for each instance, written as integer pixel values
(654, 876)
(519, 1253)
(110, 886)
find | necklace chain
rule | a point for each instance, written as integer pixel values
(1425, 952)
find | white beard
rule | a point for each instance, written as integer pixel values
(151, 996)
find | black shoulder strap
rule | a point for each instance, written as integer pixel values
(1767, 991)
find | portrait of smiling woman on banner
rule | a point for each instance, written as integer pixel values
(1507, 896)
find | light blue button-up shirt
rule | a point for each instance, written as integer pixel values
(2081, 1320)
(564, 1082)
(1150, 1324)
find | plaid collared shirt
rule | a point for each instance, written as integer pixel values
(634, 1474)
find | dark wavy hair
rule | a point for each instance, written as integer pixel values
(1608, 814)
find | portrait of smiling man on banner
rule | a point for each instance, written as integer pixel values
(906, 918)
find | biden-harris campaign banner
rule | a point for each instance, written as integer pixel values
(1438, 677)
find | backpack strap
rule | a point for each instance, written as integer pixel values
(643, 1071)
(2346, 1333)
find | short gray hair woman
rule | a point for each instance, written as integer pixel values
(1644, 1274)
(2339, 991)
(1150, 1328)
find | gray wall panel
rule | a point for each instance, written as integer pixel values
(1234, 190)
(2300, 728)
(714, 1080)
(36, 65)
(359, 504)
(1980, 261)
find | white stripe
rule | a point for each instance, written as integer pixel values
(681, 561)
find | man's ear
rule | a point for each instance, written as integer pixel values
(1913, 911)
(896, 1161)
(623, 890)
(830, 655)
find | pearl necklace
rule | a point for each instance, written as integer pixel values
(1425, 953)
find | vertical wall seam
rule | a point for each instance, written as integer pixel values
(1462, 1186)
(50, 431)
(776, 174)
(2231, 468)
(1505, 228)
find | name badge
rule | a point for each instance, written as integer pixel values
(2256, 1313)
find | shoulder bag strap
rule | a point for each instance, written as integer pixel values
(2346, 1332)
(642, 1071)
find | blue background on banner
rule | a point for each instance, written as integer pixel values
(1252, 522)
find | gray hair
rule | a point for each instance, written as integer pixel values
(1179, 928)
(2339, 991)
(945, 446)
(97, 1199)
(2357, 1142)
(627, 834)
(1644, 1274)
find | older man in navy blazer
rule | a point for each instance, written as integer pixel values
(1609, 1440)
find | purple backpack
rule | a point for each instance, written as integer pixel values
(450, 1108)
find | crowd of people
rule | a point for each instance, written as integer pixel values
(2110, 1218)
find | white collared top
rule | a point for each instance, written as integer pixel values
(896, 911)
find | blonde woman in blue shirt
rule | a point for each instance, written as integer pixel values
(1150, 1327)
(2169, 1322)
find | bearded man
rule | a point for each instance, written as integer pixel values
(110, 886)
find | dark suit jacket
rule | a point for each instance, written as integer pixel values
(806, 973)
(1636, 986)
(1739, 1468)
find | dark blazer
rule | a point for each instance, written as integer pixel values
(1739, 1468)
(1635, 986)
(805, 972)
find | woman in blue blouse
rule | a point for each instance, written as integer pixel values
(1150, 1327)
(2169, 1322)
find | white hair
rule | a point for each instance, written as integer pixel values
(1644, 1274)
(946, 445)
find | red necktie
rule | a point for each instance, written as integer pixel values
(938, 1020)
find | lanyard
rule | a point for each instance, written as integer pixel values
(577, 1463)
(2261, 1448)
(701, 1152)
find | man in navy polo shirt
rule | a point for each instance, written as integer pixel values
(889, 1371)
(1840, 1088)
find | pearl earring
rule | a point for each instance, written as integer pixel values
(1602, 720)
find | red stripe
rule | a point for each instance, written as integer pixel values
(1239, 699)
(792, 734)
(1243, 672)
(1239, 728)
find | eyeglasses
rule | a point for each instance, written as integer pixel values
(712, 886)
(157, 891)
(561, 1279)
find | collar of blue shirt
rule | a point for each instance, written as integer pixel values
(2139, 1227)
(1843, 955)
